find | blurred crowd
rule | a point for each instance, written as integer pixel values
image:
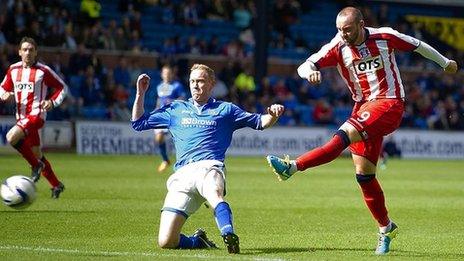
(434, 100)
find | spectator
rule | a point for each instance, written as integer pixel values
(79, 60)
(191, 13)
(218, 10)
(242, 16)
(136, 22)
(34, 31)
(69, 40)
(213, 46)
(230, 72)
(169, 47)
(285, 13)
(323, 113)
(120, 94)
(121, 73)
(169, 13)
(2, 34)
(91, 10)
(220, 91)
(234, 49)
(91, 90)
(192, 46)
(121, 40)
(245, 81)
(383, 15)
(120, 112)
(136, 43)
(54, 38)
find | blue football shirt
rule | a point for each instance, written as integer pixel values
(167, 92)
(199, 133)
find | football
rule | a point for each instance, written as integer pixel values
(18, 192)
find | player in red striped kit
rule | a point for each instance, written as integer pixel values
(365, 59)
(36, 90)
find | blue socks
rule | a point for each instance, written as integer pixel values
(188, 242)
(223, 216)
(163, 151)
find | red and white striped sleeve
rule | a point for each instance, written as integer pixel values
(405, 42)
(7, 83)
(397, 40)
(59, 89)
(327, 56)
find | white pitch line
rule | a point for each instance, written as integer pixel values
(117, 253)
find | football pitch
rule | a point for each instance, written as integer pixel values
(111, 205)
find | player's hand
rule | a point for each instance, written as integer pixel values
(275, 110)
(7, 96)
(46, 105)
(452, 67)
(143, 81)
(314, 77)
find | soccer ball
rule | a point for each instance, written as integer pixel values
(18, 192)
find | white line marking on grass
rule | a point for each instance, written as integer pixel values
(117, 253)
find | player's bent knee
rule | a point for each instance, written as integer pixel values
(14, 135)
(10, 138)
(168, 242)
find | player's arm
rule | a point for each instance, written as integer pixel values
(273, 113)
(143, 82)
(432, 54)
(405, 42)
(309, 71)
(6, 88)
(59, 90)
(325, 57)
(5, 96)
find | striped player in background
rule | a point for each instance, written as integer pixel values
(365, 59)
(36, 90)
(167, 91)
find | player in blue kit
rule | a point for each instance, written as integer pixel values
(202, 131)
(167, 91)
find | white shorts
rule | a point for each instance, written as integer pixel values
(162, 131)
(185, 186)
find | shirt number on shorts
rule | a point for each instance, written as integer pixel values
(364, 116)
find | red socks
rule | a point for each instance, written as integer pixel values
(374, 198)
(372, 192)
(23, 147)
(326, 153)
(49, 174)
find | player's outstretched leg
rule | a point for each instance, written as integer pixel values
(385, 238)
(283, 168)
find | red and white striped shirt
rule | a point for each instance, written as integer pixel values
(30, 86)
(369, 69)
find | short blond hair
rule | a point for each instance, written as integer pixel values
(210, 72)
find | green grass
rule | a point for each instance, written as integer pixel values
(110, 209)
